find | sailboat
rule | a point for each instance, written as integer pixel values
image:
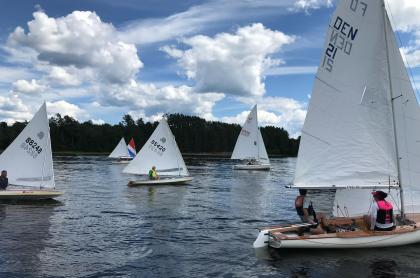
(123, 153)
(162, 152)
(28, 162)
(250, 146)
(361, 134)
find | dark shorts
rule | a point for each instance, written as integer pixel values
(384, 229)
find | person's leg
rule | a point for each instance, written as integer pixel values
(366, 218)
(318, 230)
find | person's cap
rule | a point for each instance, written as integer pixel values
(379, 194)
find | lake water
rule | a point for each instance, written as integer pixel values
(102, 228)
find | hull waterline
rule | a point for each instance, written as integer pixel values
(162, 181)
(255, 167)
(27, 194)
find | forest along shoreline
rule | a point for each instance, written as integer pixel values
(196, 137)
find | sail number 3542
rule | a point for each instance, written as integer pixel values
(31, 147)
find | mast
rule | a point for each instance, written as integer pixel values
(393, 112)
(258, 130)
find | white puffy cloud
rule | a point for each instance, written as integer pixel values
(169, 99)
(32, 87)
(231, 63)
(276, 111)
(79, 40)
(13, 109)
(67, 76)
(404, 15)
(307, 5)
(11, 74)
(65, 108)
(98, 121)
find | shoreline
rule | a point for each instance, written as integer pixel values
(190, 155)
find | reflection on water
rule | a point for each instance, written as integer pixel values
(23, 235)
(101, 227)
(384, 268)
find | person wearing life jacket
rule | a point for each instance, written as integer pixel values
(153, 174)
(307, 214)
(382, 214)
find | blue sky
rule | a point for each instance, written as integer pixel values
(99, 59)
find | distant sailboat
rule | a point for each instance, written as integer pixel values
(28, 162)
(131, 148)
(250, 146)
(161, 151)
(361, 133)
(123, 153)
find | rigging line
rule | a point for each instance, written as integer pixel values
(386, 20)
(395, 202)
(402, 52)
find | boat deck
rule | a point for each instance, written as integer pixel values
(293, 232)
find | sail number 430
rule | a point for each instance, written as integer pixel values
(31, 147)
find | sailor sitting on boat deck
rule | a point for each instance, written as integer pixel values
(153, 174)
(4, 181)
(381, 216)
(307, 213)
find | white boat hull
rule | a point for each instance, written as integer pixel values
(28, 194)
(283, 237)
(121, 161)
(161, 181)
(344, 243)
(254, 167)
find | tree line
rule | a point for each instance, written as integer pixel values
(193, 135)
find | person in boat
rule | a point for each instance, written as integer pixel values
(153, 175)
(307, 214)
(381, 217)
(4, 181)
(251, 162)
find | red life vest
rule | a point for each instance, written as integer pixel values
(385, 212)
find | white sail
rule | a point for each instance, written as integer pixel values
(347, 139)
(358, 202)
(28, 159)
(161, 151)
(262, 152)
(120, 150)
(407, 123)
(250, 144)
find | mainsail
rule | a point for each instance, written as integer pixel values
(250, 144)
(161, 151)
(348, 139)
(28, 159)
(120, 150)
